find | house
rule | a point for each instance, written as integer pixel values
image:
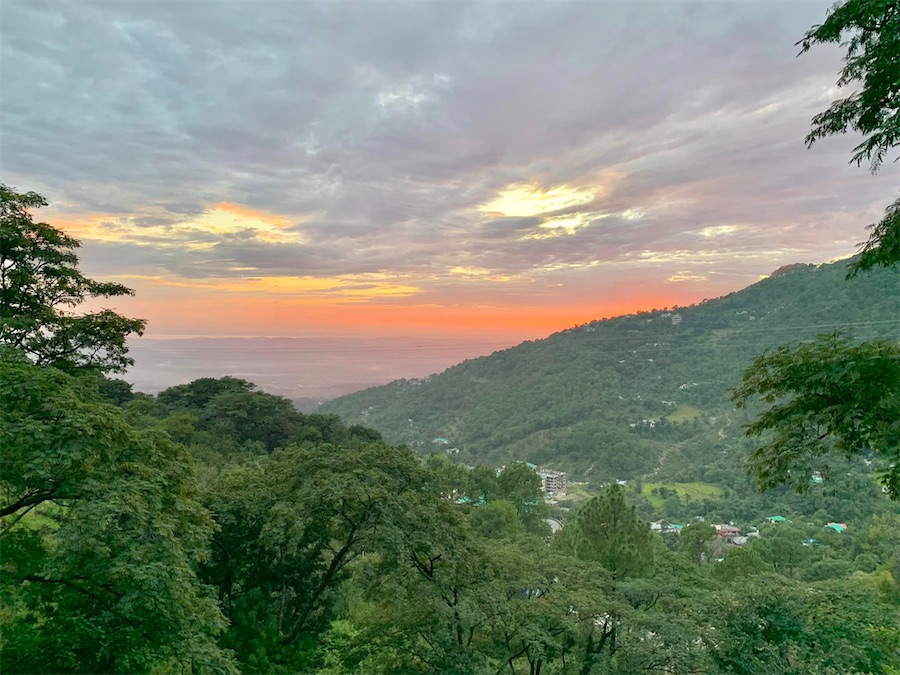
(837, 527)
(727, 531)
(553, 481)
(773, 520)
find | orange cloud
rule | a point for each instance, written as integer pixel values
(152, 227)
(314, 290)
(248, 213)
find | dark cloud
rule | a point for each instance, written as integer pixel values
(378, 129)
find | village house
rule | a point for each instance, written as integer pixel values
(727, 531)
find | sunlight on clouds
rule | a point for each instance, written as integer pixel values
(568, 223)
(227, 219)
(529, 199)
(339, 289)
(469, 271)
(686, 276)
(219, 221)
(633, 214)
(708, 257)
(402, 97)
(719, 230)
(564, 225)
(561, 266)
(477, 274)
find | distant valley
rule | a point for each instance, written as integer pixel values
(305, 370)
(639, 395)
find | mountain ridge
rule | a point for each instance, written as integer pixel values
(614, 394)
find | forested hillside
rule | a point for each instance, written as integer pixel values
(213, 528)
(633, 395)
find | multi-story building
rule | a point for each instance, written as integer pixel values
(553, 481)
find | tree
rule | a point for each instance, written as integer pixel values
(874, 42)
(520, 485)
(608, 531)
(101, 530)
(290, 526)
(873, 29)
(739, 563)
(40, 284)
(497, 519)
(196, 395)
(829, 393)
(694, 540)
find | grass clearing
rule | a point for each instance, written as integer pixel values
(684, 413)
(693, 491)
(579, 492)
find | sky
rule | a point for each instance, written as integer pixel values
(485, 169)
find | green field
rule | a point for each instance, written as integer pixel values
(578, 492)
(685, 413)
(695, 491)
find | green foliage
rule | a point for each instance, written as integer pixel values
(229, 417)
(694, 540)
(115, 391)
(839, 395)
(609, 532)
(198, 394)
(826, 394)
(870, 31)
(741, 563)
(569, 401)
(497, 520)
(40, 284)
(332, 552)
(657, 492)
(290, 525)
(105, 582)
(777, 627)
(883, 247)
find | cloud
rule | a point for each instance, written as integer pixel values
(451, 146)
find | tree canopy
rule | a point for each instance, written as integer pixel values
(833, 394)
(40, 285)
(870, 32)
(100, 522)
(827, 394)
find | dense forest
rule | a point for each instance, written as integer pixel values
(214, 528)
(610, 399)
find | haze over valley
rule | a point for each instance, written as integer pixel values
(449, 338)
(305, 370)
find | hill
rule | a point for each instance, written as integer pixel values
(637, 395)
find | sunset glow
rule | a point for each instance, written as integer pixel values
(469, 172)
